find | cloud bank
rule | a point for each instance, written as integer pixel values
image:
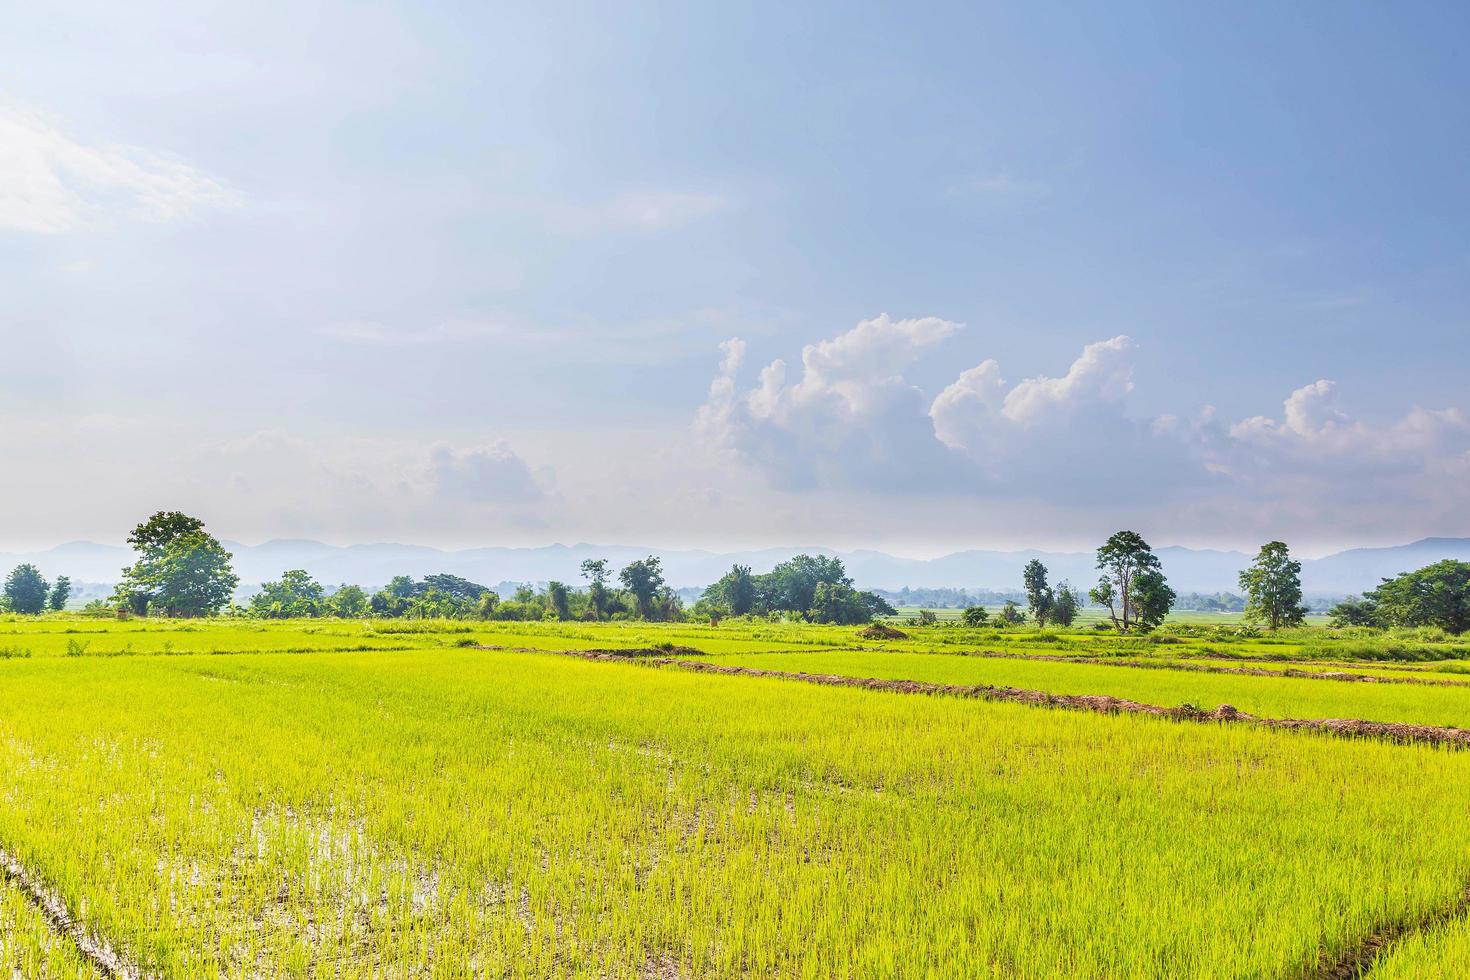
(851, 420)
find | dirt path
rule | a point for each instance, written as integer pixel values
(1313, 675)
(1358, 960)
(95, 950)
(1102, 704)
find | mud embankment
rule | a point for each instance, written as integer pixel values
(1098, 703)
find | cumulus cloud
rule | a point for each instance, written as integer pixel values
(850, 418)
(52, 183)
(1102, 375)
(1315, 434)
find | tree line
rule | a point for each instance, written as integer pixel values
(183, 570)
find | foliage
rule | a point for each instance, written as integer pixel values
(1039, 596)
(838, 603)
(1133, 583)
(295, 595)
(1354, 611)
(1065, 605)
(1273, 588)
(975, 616)
(26, 590)
(181, 569)
(735, 591)
(1436, 595)
(60, 594)
(596, 572)
(643, 579)
(349, 602)
(1010, 615)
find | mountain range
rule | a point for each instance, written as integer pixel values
(372, 565)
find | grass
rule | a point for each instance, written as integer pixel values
(29, 948)
(1275, 697)
(433, 810)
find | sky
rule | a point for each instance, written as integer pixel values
(910, 277)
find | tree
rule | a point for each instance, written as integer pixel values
(877, 605)
(1103, 594)
(453, 585)
(1039, 596)
(393, 599)
(60, 593)
(1273, 588)
(294, 596)
(1152, 598)
(26, 590)
(975, 616)
(181, 569)
(1010, 614)
(1353, 611)
(735, 591)
(558, 601)
(792, 585)
(191, 577)
(837, 603)
(643, 579)
(1435, 595)
(1123, 558)
(348, 602)
(596, 572)
(1064, 609)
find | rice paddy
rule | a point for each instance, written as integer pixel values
(355, 799)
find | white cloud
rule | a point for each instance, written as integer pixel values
(976, 396)
(850, 419)
(1103, 374)
(1315, 434)
(52, 183)
(853, 420)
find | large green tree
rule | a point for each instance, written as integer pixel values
(1436, 595)
(792, 585)
(643, 579)
(835, 602)
(1273, 588)
(735, 591)
(181, 569)
(1132, 583)
(60, 593)
(1065, 606)
(1039, 596)
(296, 594)
(26, 590)
(595, 571)
(348, 602)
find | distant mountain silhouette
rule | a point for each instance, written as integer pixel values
(371, 565)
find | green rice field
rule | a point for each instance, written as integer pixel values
(309, 799)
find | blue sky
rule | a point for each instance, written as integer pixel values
(461, 275)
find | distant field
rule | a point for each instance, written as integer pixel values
(401, 799)
(1090, 615)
